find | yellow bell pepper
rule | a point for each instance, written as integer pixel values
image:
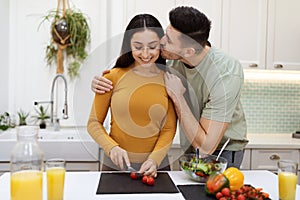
(235, 177)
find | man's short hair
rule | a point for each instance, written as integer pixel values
(192, 23)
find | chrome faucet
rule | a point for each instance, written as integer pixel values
(65, 110)
(55, 123)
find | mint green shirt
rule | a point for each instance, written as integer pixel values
(213, 92)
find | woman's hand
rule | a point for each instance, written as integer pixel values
(100, 84)
(118, 156)
(149, 168)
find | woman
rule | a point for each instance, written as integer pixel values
(143, 119)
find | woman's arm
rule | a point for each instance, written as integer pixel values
(166, 135)
(163, 143)
(98, 132)
(95, 126)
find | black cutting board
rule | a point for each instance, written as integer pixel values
(121, 183)
(194, 192)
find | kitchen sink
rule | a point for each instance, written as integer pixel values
(8, 135)
(64, 134)
(71, 144)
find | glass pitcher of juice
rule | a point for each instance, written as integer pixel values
(26, 165)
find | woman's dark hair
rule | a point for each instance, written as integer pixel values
(191, 22)
(138, 24)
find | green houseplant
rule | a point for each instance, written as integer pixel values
(5, 121)
(22, 117)
(41, 116)
(70, 34)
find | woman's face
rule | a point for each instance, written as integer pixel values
(145, 47)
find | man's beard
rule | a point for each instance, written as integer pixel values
(170, 55)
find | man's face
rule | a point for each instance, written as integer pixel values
(171, 45)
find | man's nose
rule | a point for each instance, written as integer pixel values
(163, 40)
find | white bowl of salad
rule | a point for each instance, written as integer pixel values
(206, 165)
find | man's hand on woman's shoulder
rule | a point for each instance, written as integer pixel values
(101, 84)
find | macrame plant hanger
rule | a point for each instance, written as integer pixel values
(60, 35)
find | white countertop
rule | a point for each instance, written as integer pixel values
(273, 141)
(263, 140)
(83, 186)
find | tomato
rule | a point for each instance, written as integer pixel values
(226, 192)
(265, 195)
(150, 180)
(239, 191)
(133, 175)
(248, 192)
(219, 195)
(200, 174)
(241, 197)
(144, 179)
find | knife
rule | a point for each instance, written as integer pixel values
(131, 169)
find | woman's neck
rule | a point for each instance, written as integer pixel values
(146, 70)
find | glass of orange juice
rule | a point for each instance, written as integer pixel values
(287, 179)
(55, 170)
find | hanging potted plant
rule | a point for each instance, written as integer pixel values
(41, 116)
(70, 34)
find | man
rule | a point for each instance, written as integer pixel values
(205, 90)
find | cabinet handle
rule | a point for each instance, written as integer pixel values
(252, 65)
(274, 157)
(278, 66)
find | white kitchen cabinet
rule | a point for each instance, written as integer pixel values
(174, 153)
(262, 34)
(265, 150)
(283, 41)
(4, 167)
(246, 163)
(83, 166)
(244, 31)
(268, 158)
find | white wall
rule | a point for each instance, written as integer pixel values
(25, 78)
(4, 21)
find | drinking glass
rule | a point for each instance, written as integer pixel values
(55, 170)
(287, 179)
